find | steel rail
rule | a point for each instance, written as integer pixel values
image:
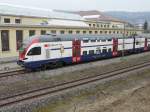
(66, 85)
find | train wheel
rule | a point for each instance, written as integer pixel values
(60, 64)
(44, 67)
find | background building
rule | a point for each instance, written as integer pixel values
(18, 23)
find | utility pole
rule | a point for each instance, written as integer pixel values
(124, 33)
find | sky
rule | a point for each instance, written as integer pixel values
(76, 5)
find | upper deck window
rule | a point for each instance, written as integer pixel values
(109, 39)
(6, 20)
(93, 40)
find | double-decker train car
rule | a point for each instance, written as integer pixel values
(50, 50)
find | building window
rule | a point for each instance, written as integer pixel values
(96, 32)
(31, 32)
(117, 32)
(114, 32)
(109, 32)
(18, 21)
(5, 40)
(101, 32)
(70, 31)
(77, 32)
(62, 32)
(93, 40)
(53, 31)
(102, 26)
(93, 25)
(105, 32)
(90, 32)
(43, 32)
(84, 32)
(97, 25)
(6, 20)
(107, 26)
(19, 38)
(90, 25)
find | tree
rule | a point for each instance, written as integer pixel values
(145, 27)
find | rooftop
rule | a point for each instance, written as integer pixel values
(7, 9)
(97, 16)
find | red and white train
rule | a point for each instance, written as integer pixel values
(50, 50)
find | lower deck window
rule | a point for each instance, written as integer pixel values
(91, 51)
(84, 52)
(98, 51)
(109, 50)
(104, 50)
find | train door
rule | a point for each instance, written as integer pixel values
(76, 51)
(145, 45)
(115, 47)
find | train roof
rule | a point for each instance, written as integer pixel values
(70, 37)
(53, 38)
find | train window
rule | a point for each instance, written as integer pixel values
(35, 51)
(104, 50)
(137, 42)
(91, 51)
(109, 39)
(93, 40)
(98, 51)
(103, 40)
(109, 50)
(84, 52)
(85, 40)
(98, 40)
(57, 39)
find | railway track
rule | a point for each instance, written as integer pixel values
(36, 93)
(12, 73)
